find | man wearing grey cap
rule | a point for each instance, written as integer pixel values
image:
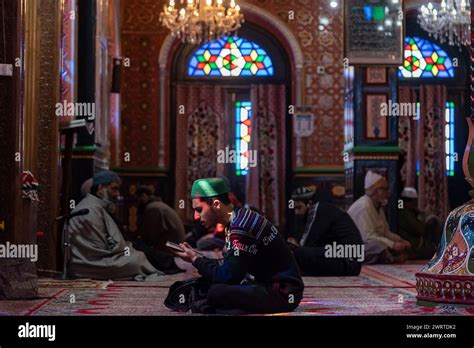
(98, 248)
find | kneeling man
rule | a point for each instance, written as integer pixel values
(331, 244)
(254, 249)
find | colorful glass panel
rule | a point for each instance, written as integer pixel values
(424, 59)
(243, 131)
(449, 144)
(450, 153)
(230, 56)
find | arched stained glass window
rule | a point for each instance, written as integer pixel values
(230, 56)
(424, 59)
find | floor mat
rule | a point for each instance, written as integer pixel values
(74, 284)
(379, 290)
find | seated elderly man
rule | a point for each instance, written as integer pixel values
(98, 248)
(381, 245)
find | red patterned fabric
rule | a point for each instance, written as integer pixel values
(425, 141)
(407, 129)
(266, 181)
(199, 135)
(433, 184)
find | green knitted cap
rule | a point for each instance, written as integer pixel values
(209, 187)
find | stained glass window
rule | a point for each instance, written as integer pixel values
(450, 155)
(425, 59)
(230, 56)
(243, 122)
(449, 131)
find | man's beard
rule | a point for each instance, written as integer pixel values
(110, 206)
(300, 224)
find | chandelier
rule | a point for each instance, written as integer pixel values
(451, 23)
(197, 21)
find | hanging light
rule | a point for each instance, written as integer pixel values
(450, 23)
(200, 21)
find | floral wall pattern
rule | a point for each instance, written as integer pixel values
(319, 30)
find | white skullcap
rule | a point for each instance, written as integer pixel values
(371, 178)
(409, 192)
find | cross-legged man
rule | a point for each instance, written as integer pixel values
(259, 274)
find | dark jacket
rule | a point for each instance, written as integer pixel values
(411, 226)
(330, 224)
(159, 223)
(254, 246)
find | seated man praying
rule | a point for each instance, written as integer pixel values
(259, 274)
(330, 244)
(423, 233)
(98, 248)
(158, 223)
(381, 245)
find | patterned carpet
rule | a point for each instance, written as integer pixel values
(379, 290)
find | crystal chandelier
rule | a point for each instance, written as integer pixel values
(451, 23)
(200, 21)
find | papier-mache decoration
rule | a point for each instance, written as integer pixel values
(449, 275)
(30, 186)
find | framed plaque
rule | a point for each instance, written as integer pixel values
(374, 32)
(376, 75)
(304, 121)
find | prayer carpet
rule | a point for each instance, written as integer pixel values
(379, 290)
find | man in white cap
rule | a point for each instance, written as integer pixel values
(422, 233)
(381, 245)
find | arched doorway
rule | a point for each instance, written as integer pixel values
(213, 109)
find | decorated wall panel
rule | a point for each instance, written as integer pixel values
(318, 28)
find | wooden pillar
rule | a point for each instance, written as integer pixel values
(371, 139)
(47, 139)
(10, 121)
(28, 123)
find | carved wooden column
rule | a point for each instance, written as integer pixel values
(28, 123)
(115, 52)
(371, 139)
(47, 141)
(10, 121)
